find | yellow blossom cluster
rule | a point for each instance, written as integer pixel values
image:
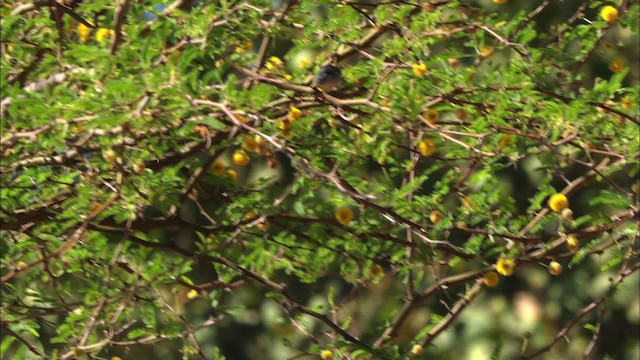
(240, 158)
(505, 266)
(557, 202)
(344, 215)
(609, 13)
(218, 168)
(432, 116)
(426, 147)
(104, 34)
(274, 63)
(419, 69)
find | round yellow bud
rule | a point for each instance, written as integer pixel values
(436, 216)
(192, 294)
(240, 158)
(573, 244)
(233, 175)
(109, 156)
(432, 116)
(609, 13)
(104, 34)
(486, 51)
(326, 354)
(84, 32)
(557, 202)
(417, 350)
(426, 147)
(490, 279)
(461, 114)
(567, 215)
(505, 266)
(274, 63)
(284, 124)
(139, 167)
(500, 2)
(419, 69)
(294, 114)
(217, 168)
(555, 268)
(616, 66)
(506, 140)
(261, 145)
(377, 270)
(249, 143)
(344, 215)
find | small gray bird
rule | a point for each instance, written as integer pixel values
(328, 78)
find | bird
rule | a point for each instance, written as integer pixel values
(328, 78)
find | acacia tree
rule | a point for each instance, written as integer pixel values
(172, 185)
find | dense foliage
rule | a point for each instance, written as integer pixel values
(172, 187)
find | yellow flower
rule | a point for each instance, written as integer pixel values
(192, 294)
(344, 215)
(466, 201)
(326, 355)
(294, 114)
(233, 175)
(274, 63)
(616, 66)
(555, 268)
(116, 358)
(500, 2)
(84, 32)
(436, 216)
(249, 143)
(419, 69)
(139, 167)
(284, 124)
(557, 202)
(486, 51)
(416, 350)
(609, 13)
(573, 244)
(285, 132)
(490, 279)
(377, 270)
(109, 156)
(217, 168)
(432, 116)
(304, 64)
(426, 147)
(261, 145)
(77, 130)
(506, 140)
(461, 114)
(240, 158)
(567, 215)
(505, 266)
(243, 48)
(104, 34)
(625, 102)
